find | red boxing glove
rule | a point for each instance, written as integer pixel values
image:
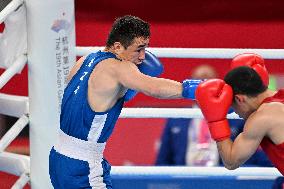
(254, 61)
(215, 97)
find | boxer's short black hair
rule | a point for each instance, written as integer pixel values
(126, 28)
(245, 80)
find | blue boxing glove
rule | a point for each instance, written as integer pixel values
(150, 66)
(189, 86)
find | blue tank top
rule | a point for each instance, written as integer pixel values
(77, 119)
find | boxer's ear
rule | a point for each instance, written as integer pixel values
(239, 98)
(118, 48)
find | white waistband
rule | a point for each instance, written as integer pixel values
(79, 149)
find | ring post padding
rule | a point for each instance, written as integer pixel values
(51, 54)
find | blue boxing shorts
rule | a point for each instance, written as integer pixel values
(75, 167)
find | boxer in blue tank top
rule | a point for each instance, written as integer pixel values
(92, 101)
(80, 125)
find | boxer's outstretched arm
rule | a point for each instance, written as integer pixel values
(152, 66)
(130, 77)
(234, 154)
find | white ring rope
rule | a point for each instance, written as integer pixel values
(12, 6)
(15, 68)
(182, 171)
(16, 164)
(166, 113)
(16, 106)
(222, 53)
(13, 105)
(22, 181)
(13, 132)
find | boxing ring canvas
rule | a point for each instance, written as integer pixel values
(51, 53)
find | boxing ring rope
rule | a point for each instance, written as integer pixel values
(18, 165)
(15, 164)
(180, 171)
(16, 106)
(13, 132)
(218, 53)
(12, 6)
(166, 113)
(15, 68)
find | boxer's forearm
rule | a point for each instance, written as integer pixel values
(163, 88)
(227, 155)
(170, 89)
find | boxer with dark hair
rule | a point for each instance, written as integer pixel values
(262, 109)
(99, 84)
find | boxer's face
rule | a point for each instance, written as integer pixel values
(238, 109)
(136, 51)
(242, 106)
